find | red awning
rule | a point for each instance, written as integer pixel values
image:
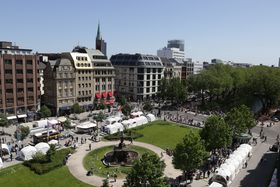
(110, 94)
(104, 94)
(97, 95)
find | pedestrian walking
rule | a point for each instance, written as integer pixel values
(89, 146)
(115, 177)
(208, 173)
(11, 157)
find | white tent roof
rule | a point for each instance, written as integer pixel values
(53, 122)
(223, 172)
(151, 117)
(27, 152)
(215, 184)
(62, 119)
(111, 129)
(6, 147)
(137, 114)
(43, 147)
(42, 123)
(86, 125)
(1, 163)
(54, 142)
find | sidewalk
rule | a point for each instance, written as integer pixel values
(75, 163)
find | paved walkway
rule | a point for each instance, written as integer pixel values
(75, 163)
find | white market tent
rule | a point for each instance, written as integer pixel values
(27, 152)
(126, 123)
(53, 142)
(5, 147)
(53, 122)
(111, 129)
(42, 123)
(112, 120)
(62, 119)
(43, 147)
(151, 117)
(85, 126)
(136, 114)
(141, 120)
(215, 184)
(1, 163)
(232, 165)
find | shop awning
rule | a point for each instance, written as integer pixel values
(110, 94)
(22, 116)
(104, 94)
(97, 95)
(11, 117)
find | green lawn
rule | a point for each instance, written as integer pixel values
(163, 134)
(22, 176)
(93, 161)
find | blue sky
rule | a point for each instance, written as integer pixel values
(238, 30)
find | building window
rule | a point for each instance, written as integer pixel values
(19, 62)
(147, 90)
(8, 71)
(8, 62)
(154, 70)
(29, 62)
(97, 87)
(148, 77)
(159, 76)
(140, 70)
(148, 83)
(148, 70)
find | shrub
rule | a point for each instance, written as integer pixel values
(57, 160)
(39, 157)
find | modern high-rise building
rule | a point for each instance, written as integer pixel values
(20, 83)
(180, 44)
(100, 44)
(137, 75)
(84, 76)
(175, 49)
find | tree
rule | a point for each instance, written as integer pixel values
(190, 153)
(216, 133)
(3, 121)
(45, 112)
(77, 109)
(240, 119)
(148, 171)
(67, 124)
(147, 106)
(126, 109)
(123, 101)
(105, 183)
(21, 133)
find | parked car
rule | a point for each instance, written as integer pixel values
(275, 119)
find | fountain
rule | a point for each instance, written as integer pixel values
(121, 155)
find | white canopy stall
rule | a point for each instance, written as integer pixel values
(142, 120)
(42, 147)
(85, 127)
(112, 120)
(27, 152)
(1, 163)
(136, 114)
(5, 148)
(215, 184)
(111, 129)
(151, 117)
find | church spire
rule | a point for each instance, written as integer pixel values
(98, 35)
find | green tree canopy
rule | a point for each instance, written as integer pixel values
(216, 133)
(148, 171)
(240, 119)
(77, 109)
(3, 121)
(45, 112)
(190, 153)
(21, 133)
(126, 109)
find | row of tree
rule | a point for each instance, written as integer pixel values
(224, 82)
(227, 84)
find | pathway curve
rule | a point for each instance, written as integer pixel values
(75, 163)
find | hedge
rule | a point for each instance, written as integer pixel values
(44, 167)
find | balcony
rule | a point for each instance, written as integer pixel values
(9, 95)
(20, 103)
(30, 101)
(8, 66)
(9, 104)
(8, 76)
(19, 85)
(9, 86)
(19, 76)
(29, 85)
(28, 66)
(19, 66)
(29, 76)
(30, 93)
(20, 94)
